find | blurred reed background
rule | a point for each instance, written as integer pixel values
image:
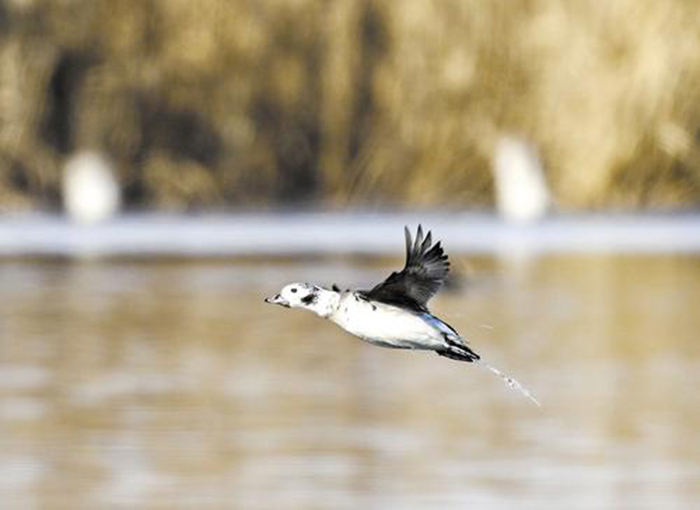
(220, 104)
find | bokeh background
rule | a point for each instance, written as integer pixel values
(218, 104)
(167, 164)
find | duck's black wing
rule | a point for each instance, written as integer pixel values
(425, 270)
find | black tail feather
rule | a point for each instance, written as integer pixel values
(459, 352)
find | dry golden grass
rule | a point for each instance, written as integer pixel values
(221, 103)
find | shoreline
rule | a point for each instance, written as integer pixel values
(336, 233)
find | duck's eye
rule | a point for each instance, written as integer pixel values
(294, 291)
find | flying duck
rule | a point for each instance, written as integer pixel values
(395, 312)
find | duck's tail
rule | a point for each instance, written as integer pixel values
(463, 352)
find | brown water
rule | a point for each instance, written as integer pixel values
(172, 385)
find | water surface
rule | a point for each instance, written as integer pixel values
(160, 384)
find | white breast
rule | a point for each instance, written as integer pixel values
(385, 325)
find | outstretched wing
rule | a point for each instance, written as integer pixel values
(425, 270)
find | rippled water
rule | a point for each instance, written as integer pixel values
(163, 384)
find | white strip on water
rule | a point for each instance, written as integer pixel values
(343, 233)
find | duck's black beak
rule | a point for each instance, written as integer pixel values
(277, 300)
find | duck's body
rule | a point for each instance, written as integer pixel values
(394, 313)
(388, 325)
(383, 324)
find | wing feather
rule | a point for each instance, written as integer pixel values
(422, 276)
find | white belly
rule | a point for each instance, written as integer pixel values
(387, 326)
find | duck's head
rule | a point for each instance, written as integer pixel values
(296, 295)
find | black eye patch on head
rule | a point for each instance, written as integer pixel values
(309, 300)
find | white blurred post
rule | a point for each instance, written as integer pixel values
(522, 195)
(91, 193)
